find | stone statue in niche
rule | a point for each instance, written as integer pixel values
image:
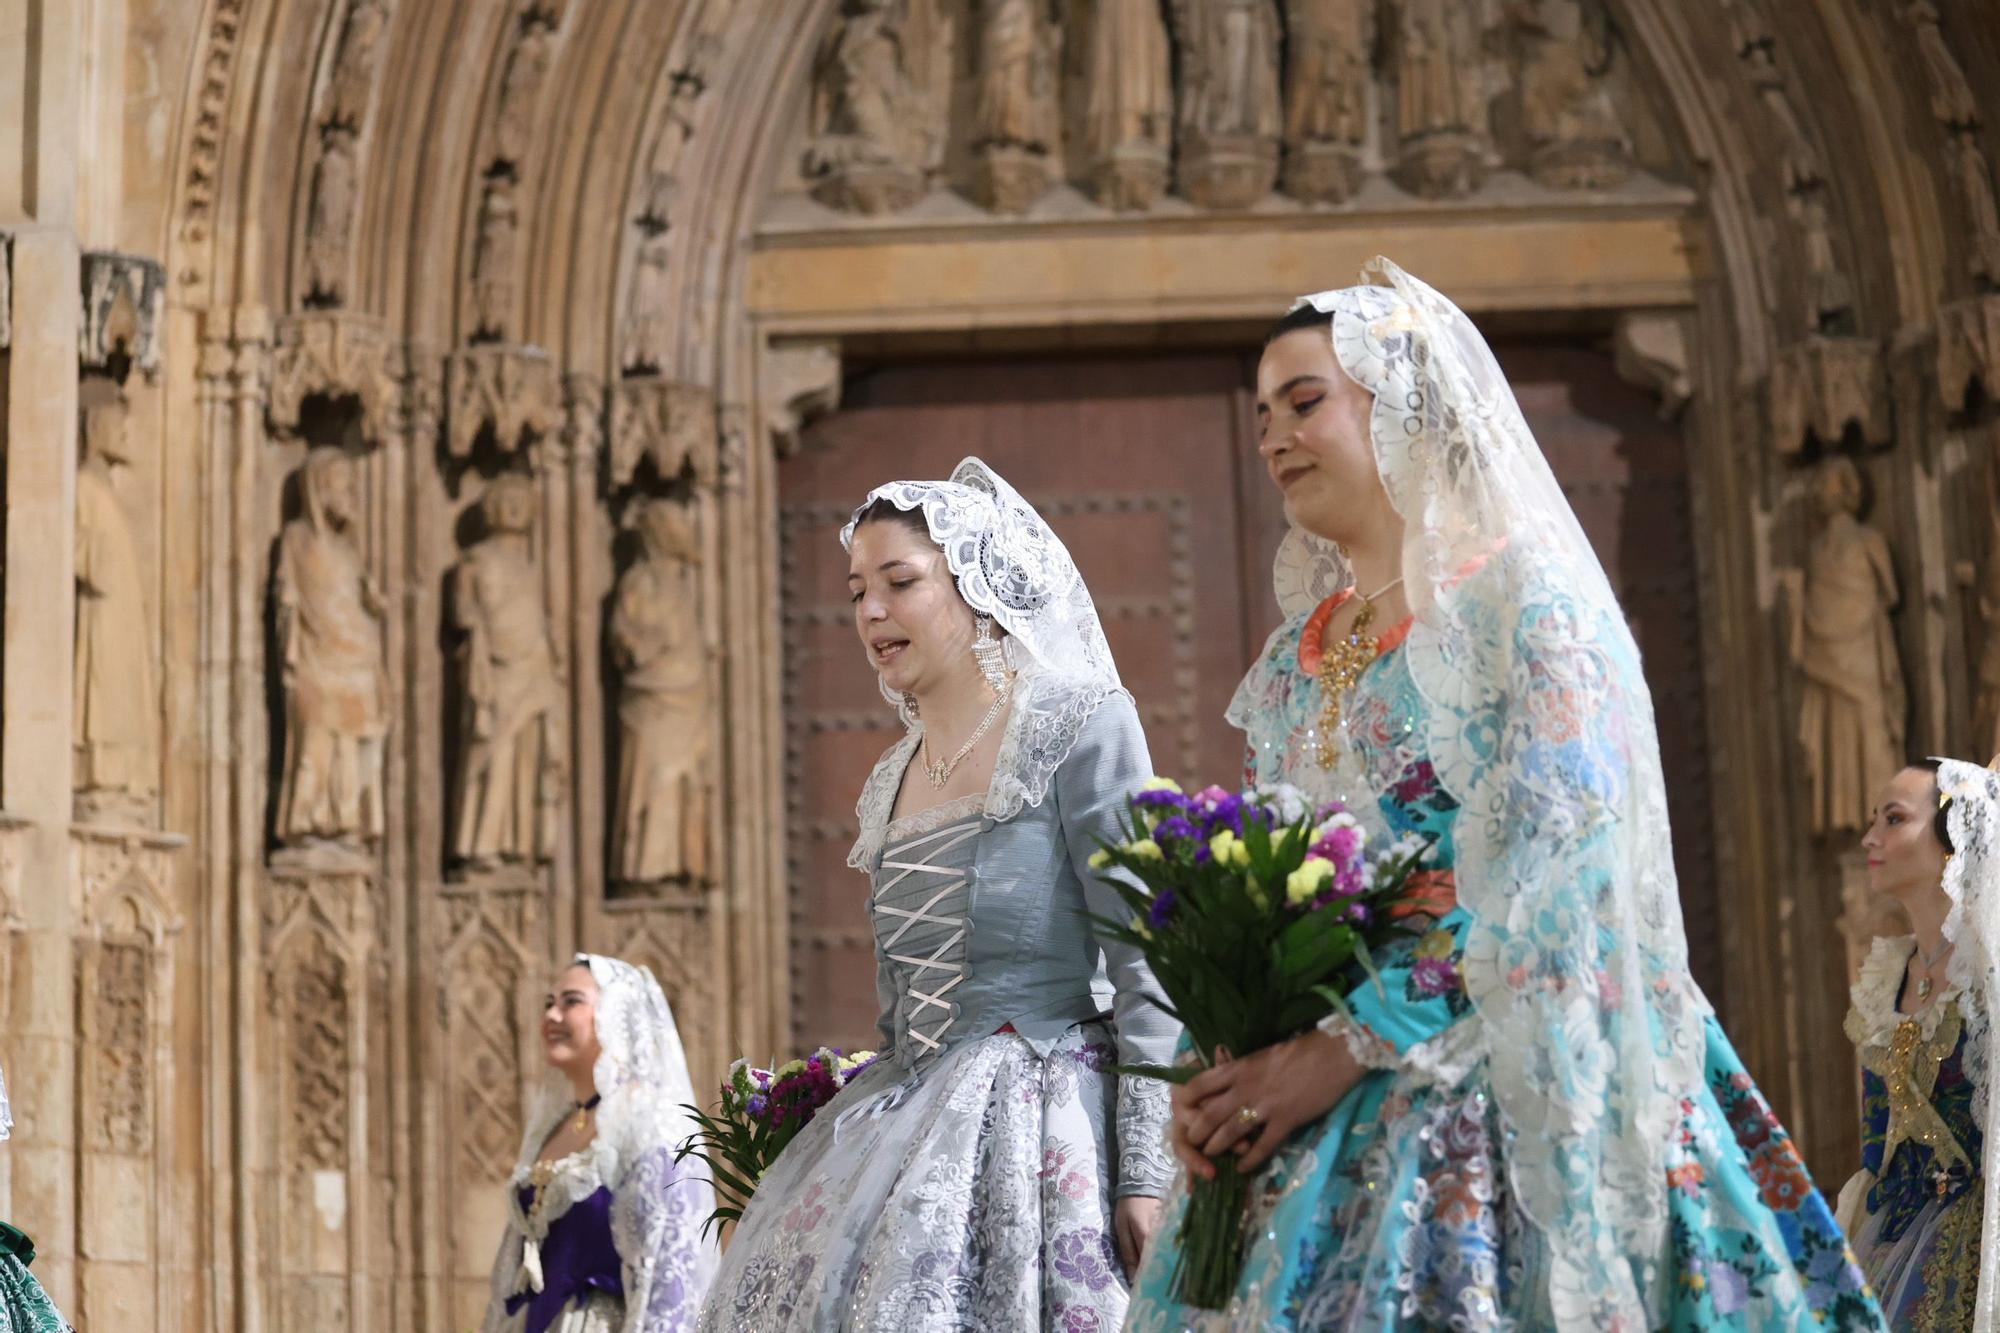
(510, 769)
(115, 727)
(661, 653)
(337, 699)
(1852, 721)
(1016, 133)
(493, 260)
(880, 100)
(1231, 110)
(354, 69)
(1441, 121)
(1957, 110)
(646, 332)
(520, 89)
(1129, 113)
(330, 218)
(1563, 53)
(1327, 77)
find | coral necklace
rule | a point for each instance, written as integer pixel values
(1339, 666)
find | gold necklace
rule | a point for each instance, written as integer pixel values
(939, 774)
(1340, 668)
(1924, 986)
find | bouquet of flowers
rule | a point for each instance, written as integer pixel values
(761, 1111)
(1257, 913)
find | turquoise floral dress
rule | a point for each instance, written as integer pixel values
(24, 1306)
(1394, 1211)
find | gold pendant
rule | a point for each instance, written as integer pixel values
(1340, 669)
(1923, 988)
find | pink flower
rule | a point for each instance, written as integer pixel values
(1075, 1185)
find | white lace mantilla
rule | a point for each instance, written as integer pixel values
(1047, 716)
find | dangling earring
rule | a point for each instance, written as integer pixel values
(988, 653)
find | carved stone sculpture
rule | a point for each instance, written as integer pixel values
(520, 91)
(1327, 77)
(330, 218)
(1957, 111)
(1575, 139)
(1129, 115)
(329, 642)
(1441, 120)
(664, 710)
(1231, 111)
(1852, 722)
(115, 726)
(1016, 132)
(1986, 724)
(647, 330)
(510, 769)
(493, 261)
(880, 101)
(354, 68)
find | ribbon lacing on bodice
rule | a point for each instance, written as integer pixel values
(931, 975)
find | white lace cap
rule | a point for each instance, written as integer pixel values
(1523, 656)
(1010, 565)
(1972, 880)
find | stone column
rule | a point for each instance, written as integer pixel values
(42, 95)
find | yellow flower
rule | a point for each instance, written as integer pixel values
(1304, 884)
(1436, 944)
(1146, 850)
(1139, 927)
(788, 1069)
(1100, 858)
(1229, 850)
(1161, 784)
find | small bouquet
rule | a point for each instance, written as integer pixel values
(1256, 913)
(761, 1111)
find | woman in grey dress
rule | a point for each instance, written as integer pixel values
(991, 1171)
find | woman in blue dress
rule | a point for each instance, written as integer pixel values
(1532, 1121)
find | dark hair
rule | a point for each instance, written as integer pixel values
(1304, 317)
(883, 510)
(1940, 824)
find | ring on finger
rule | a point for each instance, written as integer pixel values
(1248, 1115)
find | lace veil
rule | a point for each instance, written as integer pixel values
(1008, 564)
(1541, 727)
(641, 1070)
(1972, 879)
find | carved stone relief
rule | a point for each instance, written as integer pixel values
(647, 330)
(1016, 131)
(495, 264)
(662, 653)
(330, 217)
(332, 355)
(798, 382)
(314, 993)
(881, 96)
(1986, 723)
(1562, 54)
(205, 135)
(1821, 386)
(330, 661)
(1853, 719)
(1968, 349)
(1441, 123)
(510, 760)
(354, 68)
(668, 425)
(1328, 79)
(1231, 111)
(1823, 298)
(511, 395)
(1957, 111)
(483, 986)
(1129, 116)
(124, 308)
(1650, 350)
(521, 88)
(115, 709)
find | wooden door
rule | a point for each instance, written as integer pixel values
(1146, 467)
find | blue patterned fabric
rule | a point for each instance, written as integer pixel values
(1395, 1211)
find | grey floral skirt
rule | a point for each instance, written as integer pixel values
(973, 1196)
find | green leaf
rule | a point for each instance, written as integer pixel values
(1160, 1073)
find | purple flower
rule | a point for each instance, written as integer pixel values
(1174, 827)
(1328, 811)
(1084, 1256)
(1434, 976)
(758, 1101)
(1162, 909)
(1079, 1319)
(1161, 799)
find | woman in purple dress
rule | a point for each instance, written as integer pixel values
(604, 1229)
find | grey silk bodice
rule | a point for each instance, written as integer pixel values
(982, 921)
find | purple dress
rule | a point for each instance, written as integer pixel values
(578, 1257)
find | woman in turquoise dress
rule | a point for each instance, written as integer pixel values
(1532, 1120)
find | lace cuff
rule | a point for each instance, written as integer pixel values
(1145, 1168)
(1444, 1060)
